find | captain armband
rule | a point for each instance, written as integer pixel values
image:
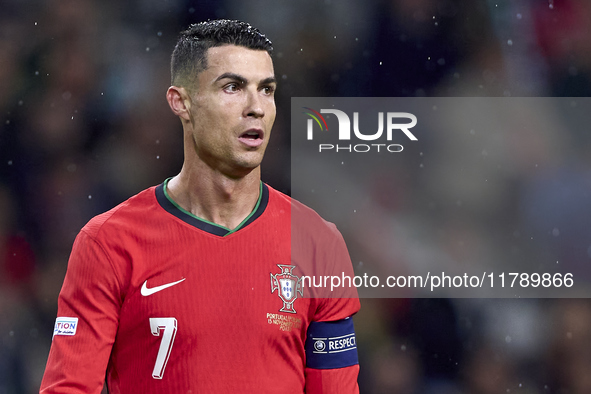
(331, 344)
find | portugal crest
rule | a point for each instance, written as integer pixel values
(288, 286)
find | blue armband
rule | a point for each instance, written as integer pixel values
(331, 344)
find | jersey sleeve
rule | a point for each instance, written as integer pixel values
(86, 326)
(338, 298)
(332, 365)
(332, 381)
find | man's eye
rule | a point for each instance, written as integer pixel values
(269, 89)
(231, 87)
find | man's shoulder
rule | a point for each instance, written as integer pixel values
(303, 218)
(127, 214)
(278, 197)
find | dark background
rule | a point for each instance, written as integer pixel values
(84, 125)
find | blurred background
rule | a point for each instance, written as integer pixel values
(84, 125)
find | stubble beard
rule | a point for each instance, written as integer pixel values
(234, 165)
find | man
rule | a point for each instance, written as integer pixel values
(192, 286)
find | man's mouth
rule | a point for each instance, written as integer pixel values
(253, 137)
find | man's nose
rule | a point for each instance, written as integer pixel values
(254, 104)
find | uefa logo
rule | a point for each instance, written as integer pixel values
(319, 346)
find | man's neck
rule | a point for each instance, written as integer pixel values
(215, 197)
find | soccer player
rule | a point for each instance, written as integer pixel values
(195, 285)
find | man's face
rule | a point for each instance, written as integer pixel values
(233, 109)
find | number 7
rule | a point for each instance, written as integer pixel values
(168, 325)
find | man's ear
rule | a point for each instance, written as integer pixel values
(179, 102)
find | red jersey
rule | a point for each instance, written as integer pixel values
(164, 302)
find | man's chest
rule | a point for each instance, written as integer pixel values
(235, 302)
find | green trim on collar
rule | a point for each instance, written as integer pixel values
(256, 207)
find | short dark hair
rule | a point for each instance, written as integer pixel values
(189, 57)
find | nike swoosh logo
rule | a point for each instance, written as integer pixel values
(146, 292)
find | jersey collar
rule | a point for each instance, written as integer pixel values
(173, 208)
